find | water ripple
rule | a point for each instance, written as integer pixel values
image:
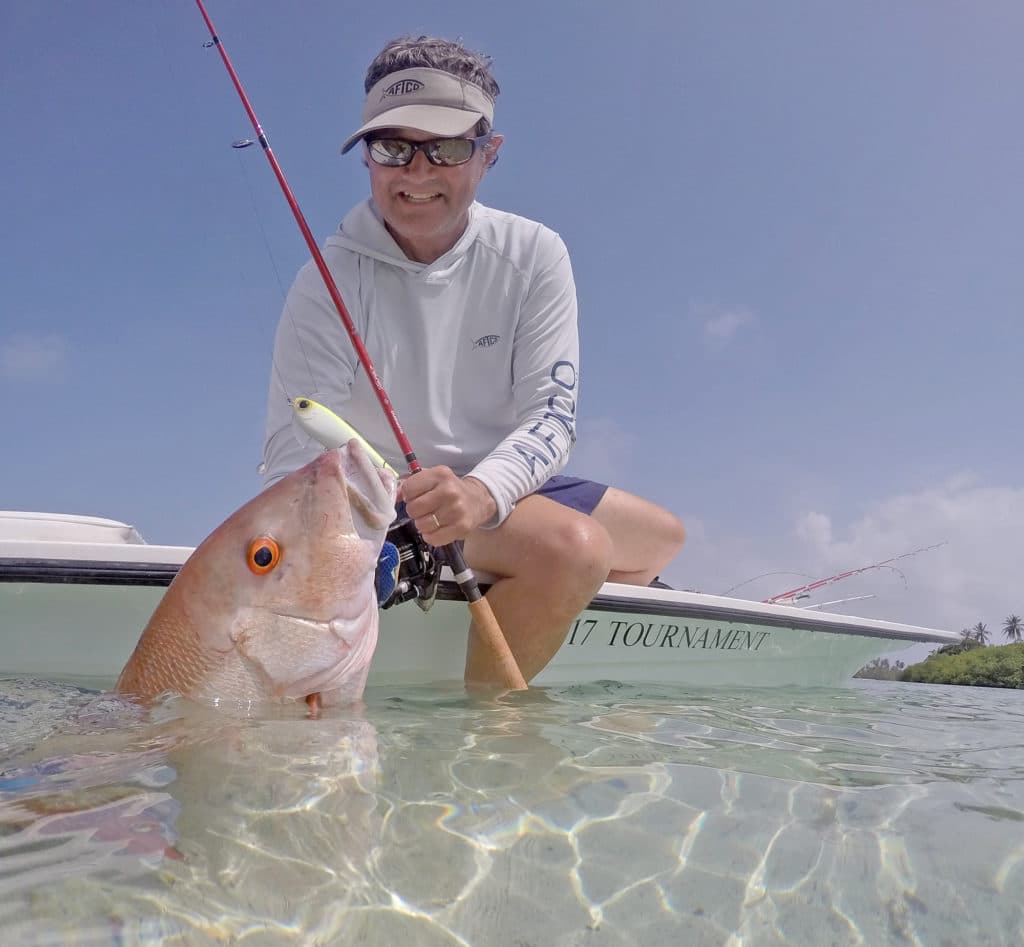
(595, 815)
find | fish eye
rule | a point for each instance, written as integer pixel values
(263, 555)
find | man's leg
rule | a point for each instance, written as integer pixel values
(550, 561)
(645, 537)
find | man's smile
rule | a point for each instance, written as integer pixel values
(418, 197)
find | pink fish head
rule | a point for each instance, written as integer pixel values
(278, 602)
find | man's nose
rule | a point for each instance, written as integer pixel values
(419, 163)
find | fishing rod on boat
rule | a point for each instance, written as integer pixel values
(483, 617)
(794, 594)
(838, 601)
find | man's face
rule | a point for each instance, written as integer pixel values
(425, 206)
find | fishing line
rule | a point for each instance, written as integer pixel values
(314, 249)
(764, 575)
(239, 146)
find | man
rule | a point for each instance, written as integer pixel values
(469, 317)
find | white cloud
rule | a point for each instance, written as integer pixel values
(33, 358)
(722, 323)
(976, 575)
(815, 529)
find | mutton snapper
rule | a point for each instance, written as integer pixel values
(278, 603)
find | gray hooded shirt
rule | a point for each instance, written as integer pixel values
(478, 351)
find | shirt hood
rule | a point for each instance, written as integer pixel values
(362, 231)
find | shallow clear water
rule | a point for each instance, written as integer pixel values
(591, 815)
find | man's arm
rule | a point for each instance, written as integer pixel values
(545, 387)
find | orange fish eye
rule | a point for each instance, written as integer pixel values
(263, 555)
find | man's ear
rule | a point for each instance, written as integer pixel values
(492, 149)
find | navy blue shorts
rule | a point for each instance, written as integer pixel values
(575, 492)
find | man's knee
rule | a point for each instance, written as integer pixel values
(672, 531)
(546, 541)
(577, 544)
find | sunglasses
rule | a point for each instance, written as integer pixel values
(443, 152)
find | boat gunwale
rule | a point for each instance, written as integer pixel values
(757, 613)
(87, 572)
(612, 598)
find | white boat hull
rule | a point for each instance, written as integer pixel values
(74, 610)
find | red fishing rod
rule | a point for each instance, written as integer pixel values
(792, 594)
(484, 620)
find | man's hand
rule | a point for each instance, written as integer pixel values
(444, 506)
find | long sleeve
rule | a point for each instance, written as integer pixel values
(545, 385)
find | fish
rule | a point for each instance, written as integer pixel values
(278, 603)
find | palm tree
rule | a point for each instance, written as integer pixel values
(1012, 628)
(980, 633)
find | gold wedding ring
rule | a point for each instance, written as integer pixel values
(437, 522)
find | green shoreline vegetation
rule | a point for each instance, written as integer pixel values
(970, 661)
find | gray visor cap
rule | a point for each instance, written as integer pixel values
(429, 100)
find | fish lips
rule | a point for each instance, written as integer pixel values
(371, 489)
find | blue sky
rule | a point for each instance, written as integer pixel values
(795, 229)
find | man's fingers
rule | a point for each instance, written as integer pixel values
(436, 500)
(431, 491)
(435, 531)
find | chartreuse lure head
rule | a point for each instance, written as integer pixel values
(325, 427)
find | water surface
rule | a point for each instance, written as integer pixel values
(592, 815)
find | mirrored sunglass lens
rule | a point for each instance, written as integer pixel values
(390, 151)
(452, 150)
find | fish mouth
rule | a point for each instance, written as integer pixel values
(370, 490)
